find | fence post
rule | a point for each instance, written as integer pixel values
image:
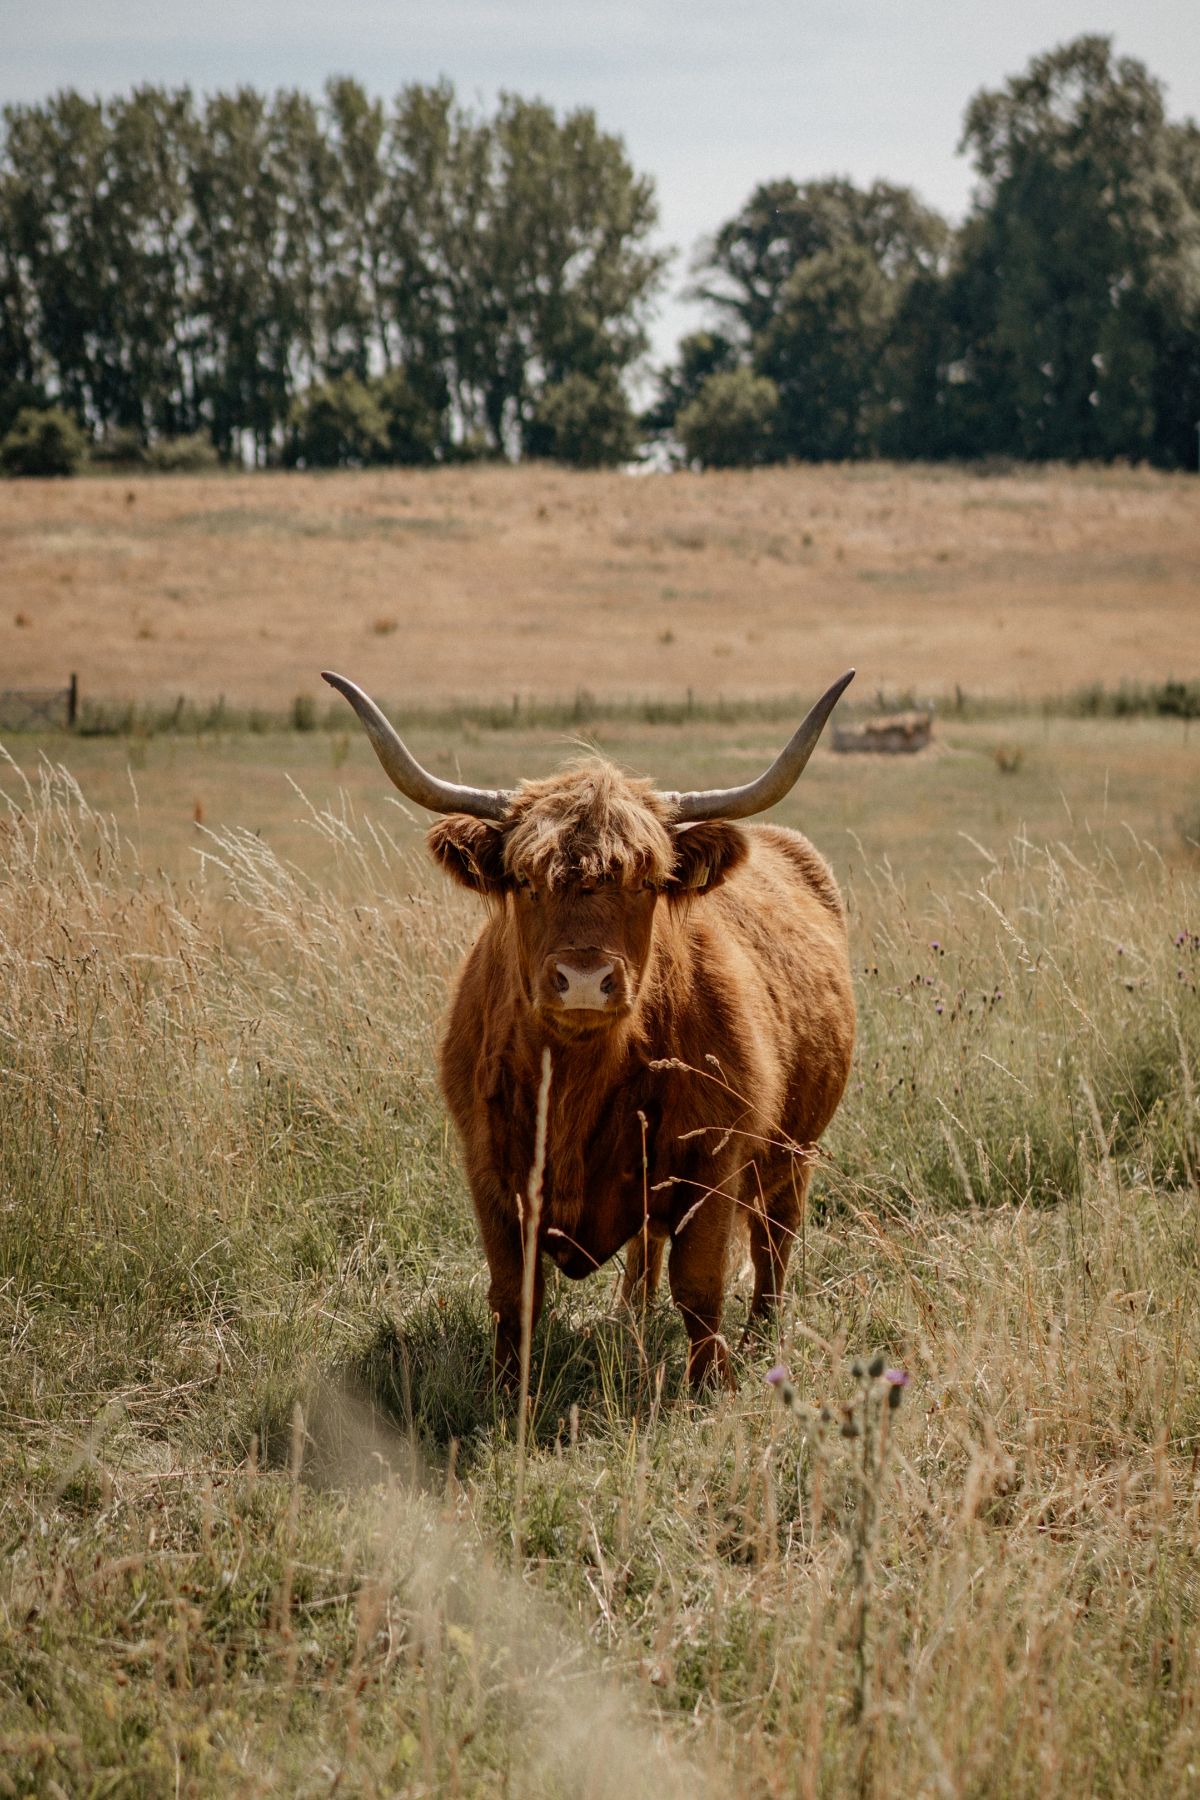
(72, 701)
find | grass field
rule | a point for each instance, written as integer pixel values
(267, 1529)
(240, 1288)
(487, 582)
(990, 779)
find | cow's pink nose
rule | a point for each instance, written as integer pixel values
(595, 987)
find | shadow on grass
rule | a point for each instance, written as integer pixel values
(422, 1383)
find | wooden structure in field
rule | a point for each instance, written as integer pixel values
(892, 734)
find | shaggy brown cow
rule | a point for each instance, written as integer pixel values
(690, 979)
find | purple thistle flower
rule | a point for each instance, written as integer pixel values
(777, 1374)
(897, 1377)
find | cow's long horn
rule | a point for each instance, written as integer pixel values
(403, 768)
(779, 779)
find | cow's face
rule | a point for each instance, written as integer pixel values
(583, 862)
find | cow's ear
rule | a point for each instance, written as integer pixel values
(706, 853)
(471, 851)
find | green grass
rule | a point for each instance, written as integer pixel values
(1114, 785)
(100, 718)
(267, 1527)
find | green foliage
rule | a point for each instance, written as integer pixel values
(825, 351)
(1074, 299)
(413, 425)
(18, 397)
(783, 225)
(731, 421)
(337, 425)
(43, 442)
(810, 280)
(173, 266)
(348, 423)
(585, 420)
(701, 354)
(1062, 321)
(191, 453)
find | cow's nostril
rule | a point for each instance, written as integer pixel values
(608, 984)
(561, 983)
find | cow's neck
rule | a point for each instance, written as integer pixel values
(586, 1076)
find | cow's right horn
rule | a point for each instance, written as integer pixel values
(402, 767)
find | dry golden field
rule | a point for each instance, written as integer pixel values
(483, 582)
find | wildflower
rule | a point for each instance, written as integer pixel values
(777, 1374)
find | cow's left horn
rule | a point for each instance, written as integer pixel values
(403, 768)
(779, 779)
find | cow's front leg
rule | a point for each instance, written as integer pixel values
(697, 1275)
(505, 1251)
(643, 1266)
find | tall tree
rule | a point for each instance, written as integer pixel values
(59, 205)
(552, 245)
(22, 363)
(1080, 262)
(809, 281)
(152, 144)
(356, 253)
(826, 351)
(743, 273)
(253, 179)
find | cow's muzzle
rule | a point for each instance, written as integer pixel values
(583, 981)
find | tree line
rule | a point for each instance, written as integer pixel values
(281, 270)
(343, 281)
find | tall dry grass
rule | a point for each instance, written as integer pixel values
(258, 1501)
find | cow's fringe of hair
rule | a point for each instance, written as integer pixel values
(589, 823)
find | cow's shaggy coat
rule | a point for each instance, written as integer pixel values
(692, 984)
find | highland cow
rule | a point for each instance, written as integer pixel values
(689, 977)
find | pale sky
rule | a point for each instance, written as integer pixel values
(710, 97)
